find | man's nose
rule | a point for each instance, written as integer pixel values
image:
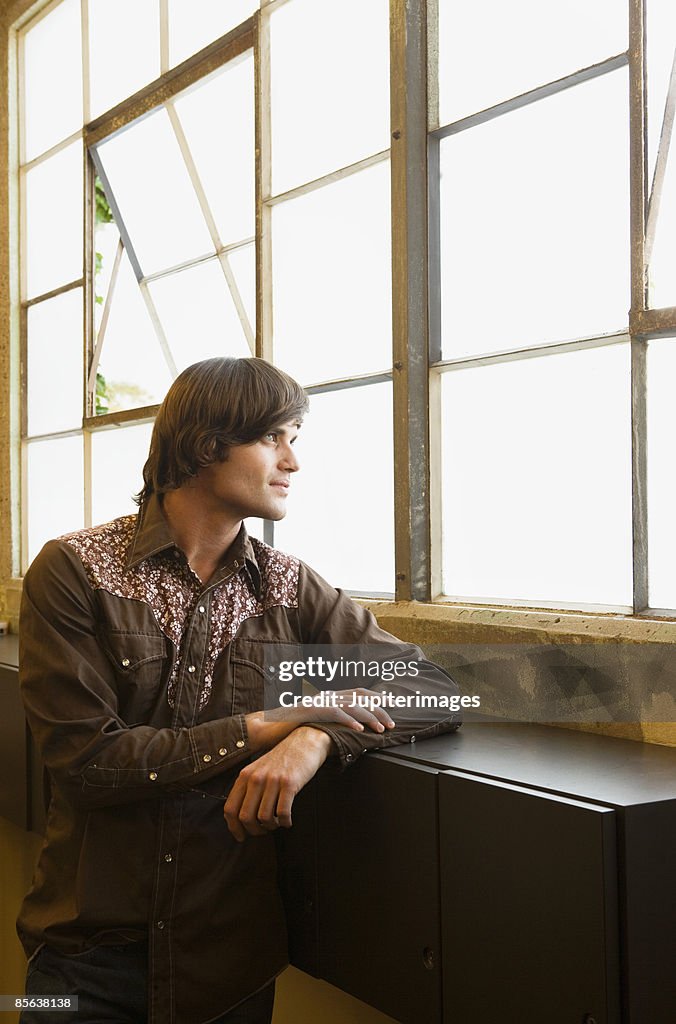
(289, 460)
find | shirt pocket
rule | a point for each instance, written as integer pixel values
(141, 662)
(254, 686)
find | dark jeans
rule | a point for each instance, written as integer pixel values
(110, 982)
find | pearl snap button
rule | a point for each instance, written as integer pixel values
(126, 663)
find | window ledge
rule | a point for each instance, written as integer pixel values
(439, 623)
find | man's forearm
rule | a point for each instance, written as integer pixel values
(265, 733)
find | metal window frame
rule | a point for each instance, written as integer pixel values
(161, 95)
(414, 155)
(643, 323)
(266, 200)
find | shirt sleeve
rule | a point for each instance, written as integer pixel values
(69, 693)
(426, 696)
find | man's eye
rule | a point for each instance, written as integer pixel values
(273, 435)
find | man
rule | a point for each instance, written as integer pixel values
(144, 646)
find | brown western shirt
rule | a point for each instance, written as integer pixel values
(136, 678)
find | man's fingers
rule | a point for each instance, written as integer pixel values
(284, 804)
(362, 705)
(268, 817)
(231, 809)
(241, 807)
(250, 809)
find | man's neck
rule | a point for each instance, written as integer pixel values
(203, 533)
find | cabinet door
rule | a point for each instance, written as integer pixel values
(378, 897)
(529, 906)
(13, 782)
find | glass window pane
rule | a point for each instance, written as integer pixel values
(55, 364)
(661, 277)
(55, 490)
(330, 87)
(52, 79)
(218, 121)
(490, 50)
(242, 262)
(255, 528)
(53, 241)
(107, 241)
(118, 457)
(124, 49)
(198, 314)
(536, 479)
(660, 45)
(191, 27)
(342, 521)
(159, 208)
(133, 371)
(332, 278)
(661, 444)
(535, 222)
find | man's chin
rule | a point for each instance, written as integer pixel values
(273, 515)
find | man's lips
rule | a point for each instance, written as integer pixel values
(281, 483)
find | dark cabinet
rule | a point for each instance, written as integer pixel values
(14, 795)
(528, 892)
(21, 771)
(361, 886)
(503, 874)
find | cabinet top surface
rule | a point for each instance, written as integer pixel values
(581, 765)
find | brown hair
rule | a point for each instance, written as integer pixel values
(211, 406)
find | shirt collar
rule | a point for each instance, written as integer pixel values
(152, 536)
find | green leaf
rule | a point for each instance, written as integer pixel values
(104, 215)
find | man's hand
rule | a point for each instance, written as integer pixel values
(263, 794)
(349, 708)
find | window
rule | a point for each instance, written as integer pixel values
(546, 288)
(462, 248)
(170, 192)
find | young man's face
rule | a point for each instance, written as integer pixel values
(254, 479)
